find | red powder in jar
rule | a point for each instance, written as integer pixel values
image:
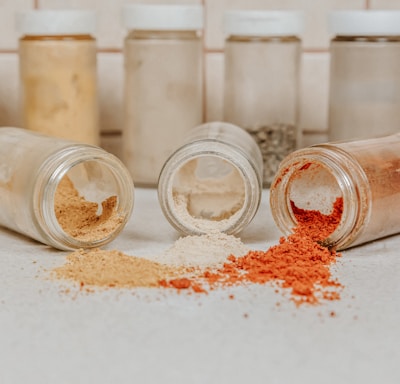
(298, 262)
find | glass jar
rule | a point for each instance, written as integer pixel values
(364, 98)
(213, 182)
(364, 174)
(32, 166)
(262, 61)
(57, 60)
(163, 84)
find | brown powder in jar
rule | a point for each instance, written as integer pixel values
(104, 268)
(78, 217)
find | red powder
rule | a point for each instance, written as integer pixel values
(298, 262)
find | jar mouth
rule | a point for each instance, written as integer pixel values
(208, 186)
(84, 198)
(313, 180)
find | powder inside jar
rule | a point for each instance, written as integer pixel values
(79, 217)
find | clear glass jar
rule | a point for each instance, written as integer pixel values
(364, 98)
(163, 84)
(213, 182)
(364, 173)
(262, 62)
(31, 168)
(58, 75)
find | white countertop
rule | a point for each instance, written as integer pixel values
(160, 336)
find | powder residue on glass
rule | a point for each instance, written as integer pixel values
(80, 218)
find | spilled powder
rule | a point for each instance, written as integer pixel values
(202, 251)
(78, 217)
(102, 268)
(299, 264)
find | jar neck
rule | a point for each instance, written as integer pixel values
(313, 178)
(56, 37)
(366, 39)
(95, 170)
(164, 35)
(263, 39)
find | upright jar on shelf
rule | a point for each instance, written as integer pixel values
(163, 83)
(364, 74)
(262, 62)
(57, 57)
(66, 194)
(359, 179)
(212, 181)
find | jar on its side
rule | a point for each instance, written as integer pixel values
(364, 174)
(213, 182)
(364, 99)
(58, 73)
(262, 63)
(32, 169)
(163, 84)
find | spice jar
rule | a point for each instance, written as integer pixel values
(163, 84)
(213, 181)
(364, 96)
(65, 194)
(57, 59)
(363, 174)
(262, 60)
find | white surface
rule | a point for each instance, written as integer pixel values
(153, 336)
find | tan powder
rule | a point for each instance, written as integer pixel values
(103, 268)
(78, 217)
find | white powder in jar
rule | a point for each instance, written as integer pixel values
(208, 200)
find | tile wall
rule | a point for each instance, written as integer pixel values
(110, 34)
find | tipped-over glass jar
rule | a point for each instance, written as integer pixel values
(363, 174)
(62, 193)
(213, 182)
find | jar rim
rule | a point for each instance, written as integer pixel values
(210, 147)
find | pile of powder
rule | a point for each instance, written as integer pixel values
(203, 251)
(187, 257)
(298, 262)
(102, 268)
(78, 217)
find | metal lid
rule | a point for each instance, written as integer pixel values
(162, 17)
(263, 23)
(56, 22)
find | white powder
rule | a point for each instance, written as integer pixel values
(209, 250)
(208, 194)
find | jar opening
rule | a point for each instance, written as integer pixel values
(86, 205)
(315, 201)
(208, 193)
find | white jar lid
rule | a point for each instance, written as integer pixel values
(56, 22)
(162, 17)
(263, 23)
(364, 23)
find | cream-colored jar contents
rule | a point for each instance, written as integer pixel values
(59, 86)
